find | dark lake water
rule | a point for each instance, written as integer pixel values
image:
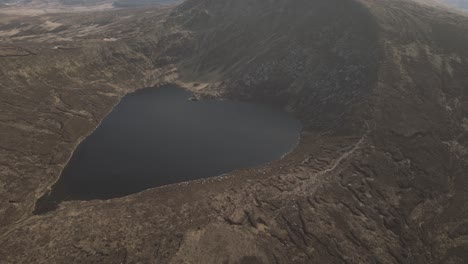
(157, 136)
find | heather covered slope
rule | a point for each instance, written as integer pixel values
(421, 115)
(285, 52)
(378, 177)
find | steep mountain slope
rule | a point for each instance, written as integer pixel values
(286, 53)
(378, 177)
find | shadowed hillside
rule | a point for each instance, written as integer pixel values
(286, 52)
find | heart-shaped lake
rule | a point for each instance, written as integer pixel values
(159, 136)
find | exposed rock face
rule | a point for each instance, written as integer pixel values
(380, 175)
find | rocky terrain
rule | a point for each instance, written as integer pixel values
(380, 174)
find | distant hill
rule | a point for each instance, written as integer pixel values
(116, 3)
(136, 3)
(83, 2)
(458, 3)
(4, 3)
